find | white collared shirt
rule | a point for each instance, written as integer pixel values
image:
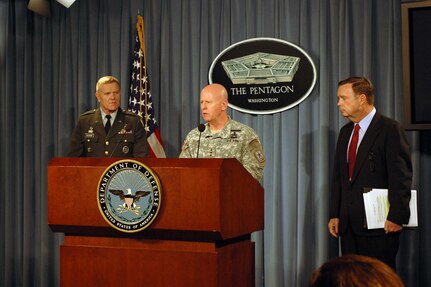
(363, 124)
(113, 115)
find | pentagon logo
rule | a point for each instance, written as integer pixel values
(264, 75)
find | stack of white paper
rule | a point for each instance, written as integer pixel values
(377, 207)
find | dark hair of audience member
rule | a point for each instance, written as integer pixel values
(354, 270)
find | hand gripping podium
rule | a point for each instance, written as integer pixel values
(200, 237)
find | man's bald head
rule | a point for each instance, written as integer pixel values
(216, 90)
(214, 103)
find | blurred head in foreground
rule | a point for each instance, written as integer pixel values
(354, 270)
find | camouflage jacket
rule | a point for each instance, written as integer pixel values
(235, 140)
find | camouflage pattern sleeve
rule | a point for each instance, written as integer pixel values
(253, 158)
(186, 148)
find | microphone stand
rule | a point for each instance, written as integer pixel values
(201, 128)
(122, 136)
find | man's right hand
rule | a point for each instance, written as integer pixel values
(333, 226)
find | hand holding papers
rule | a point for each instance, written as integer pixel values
(377, 207)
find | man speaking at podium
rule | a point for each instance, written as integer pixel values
(109, 131)
(222, 137)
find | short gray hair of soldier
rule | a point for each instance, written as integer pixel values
(106, 80)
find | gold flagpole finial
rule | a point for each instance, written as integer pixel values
(140, 28)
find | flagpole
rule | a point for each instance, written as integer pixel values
(139, 83)
(141, 35)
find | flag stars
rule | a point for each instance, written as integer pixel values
(136, 65)
(140, 98)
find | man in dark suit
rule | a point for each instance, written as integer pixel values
(109, 131)
(379, 157)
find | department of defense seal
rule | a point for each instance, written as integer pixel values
(129, 196)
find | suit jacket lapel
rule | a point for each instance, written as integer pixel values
(344, 148)
(366, 144)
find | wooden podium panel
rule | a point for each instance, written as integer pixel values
(125, 262)
(214, 198)
(200, 237)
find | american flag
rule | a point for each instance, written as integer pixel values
(140, 101)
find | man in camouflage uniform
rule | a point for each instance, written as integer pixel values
(125, 137)
(224, 137)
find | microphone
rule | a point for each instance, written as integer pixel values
(126, 129)
(201, 128)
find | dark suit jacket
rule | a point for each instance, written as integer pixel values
(382, 161)
(126, 138)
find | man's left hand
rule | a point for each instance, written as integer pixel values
(392, 227)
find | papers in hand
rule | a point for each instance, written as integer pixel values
(377, 207)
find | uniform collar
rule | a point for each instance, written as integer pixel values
(223, 133)
(113, 115)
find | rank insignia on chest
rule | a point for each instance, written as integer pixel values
(90, 133)
(233, 134)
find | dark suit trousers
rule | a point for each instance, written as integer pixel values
(384, 248)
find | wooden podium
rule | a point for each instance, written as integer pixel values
(200, 237)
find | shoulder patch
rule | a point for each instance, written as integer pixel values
(257, 151)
